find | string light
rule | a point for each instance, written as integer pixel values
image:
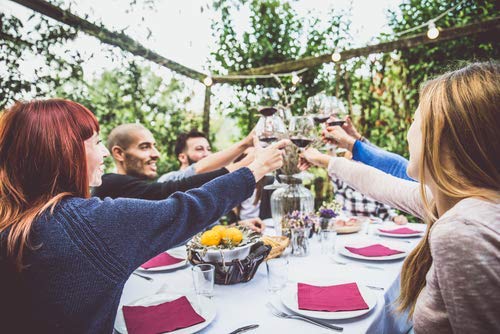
(395, 55)
(208, 81)
(295, 78)
(433, 31)
(336, 56)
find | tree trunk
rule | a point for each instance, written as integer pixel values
(206, 112)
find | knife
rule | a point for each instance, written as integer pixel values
(244, 329)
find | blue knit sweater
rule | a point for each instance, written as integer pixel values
(88, 248)
(374, 156)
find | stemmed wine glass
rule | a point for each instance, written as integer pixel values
(337, 117)
(302, 133)
(270, 127)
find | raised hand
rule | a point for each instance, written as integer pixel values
(350, 129)
(338, 136)
(267, 159)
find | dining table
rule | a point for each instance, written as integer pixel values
(246, 303)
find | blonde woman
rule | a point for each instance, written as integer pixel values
(451, 281)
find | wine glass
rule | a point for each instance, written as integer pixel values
(270, 129)
(316, 108)
(337, 117)
(302, 133)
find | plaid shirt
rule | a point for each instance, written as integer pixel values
(357, 204)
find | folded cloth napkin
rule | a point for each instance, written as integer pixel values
(161, 318)
(402, 230)
(342, 297)
(164, 259)
(373, 250)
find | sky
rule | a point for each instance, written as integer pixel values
(181, 29)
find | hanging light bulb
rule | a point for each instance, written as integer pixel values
(336, 56)
(395, 55)
(295, 78)
(433, 31)
(208, 81)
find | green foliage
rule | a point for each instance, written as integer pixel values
(276, 34)
(37, 45)
(136, 94)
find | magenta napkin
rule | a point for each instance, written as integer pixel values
(373, 250)
(402, 230)
(342, 297)
(164, 259)
(161, 318)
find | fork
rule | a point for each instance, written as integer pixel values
(284, 315)
(360, 264)
(150, 279)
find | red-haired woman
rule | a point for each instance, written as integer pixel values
(65, 257)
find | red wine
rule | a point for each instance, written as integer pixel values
(335, 123)
(268, 111)
(268, 140)
(320, 119)
(301, 142)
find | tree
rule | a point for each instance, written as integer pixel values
(133, 94)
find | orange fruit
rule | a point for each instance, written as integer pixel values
(232, 235)
(219, 229)
(210, 238)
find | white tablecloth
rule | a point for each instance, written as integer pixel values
(243, 304)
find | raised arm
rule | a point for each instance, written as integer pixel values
(224, 157)
(387, 162)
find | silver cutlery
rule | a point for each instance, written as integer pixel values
(359, 264)
(373, 287)
(244, 329)
(284, 315)
(150, 279)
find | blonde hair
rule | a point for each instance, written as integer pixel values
(460, 152)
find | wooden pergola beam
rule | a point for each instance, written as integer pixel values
(120, 40)
(491, 26)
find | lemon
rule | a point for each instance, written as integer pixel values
(210, 238)
(219, 229)
(232, 235)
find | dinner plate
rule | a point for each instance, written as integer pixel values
(392, 235)
(396, 246)
(178, 252)
(289, 298)
(202, 305)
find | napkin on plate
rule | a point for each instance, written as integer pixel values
(342, 297)
(165, 317)
(373, 250)
(402, 230)
(164, 259)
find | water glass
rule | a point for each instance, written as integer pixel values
(203, 279)
(328, 240)
(277, 274)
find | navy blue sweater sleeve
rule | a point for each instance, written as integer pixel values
(117, 185)
(133, 230)
(387, 162)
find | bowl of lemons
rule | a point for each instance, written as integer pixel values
(223, 243)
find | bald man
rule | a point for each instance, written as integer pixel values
(133, 149)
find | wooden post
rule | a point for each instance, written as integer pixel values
(206, 111)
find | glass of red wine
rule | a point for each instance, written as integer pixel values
(269, 129)
(302, 133)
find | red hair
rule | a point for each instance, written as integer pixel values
(42, 160)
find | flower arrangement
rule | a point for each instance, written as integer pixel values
(330, 209)
(298, 220)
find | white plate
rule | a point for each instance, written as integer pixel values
(392, 235)
(178, 252)
(359, 244)
(289, 298)
(202, 305)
